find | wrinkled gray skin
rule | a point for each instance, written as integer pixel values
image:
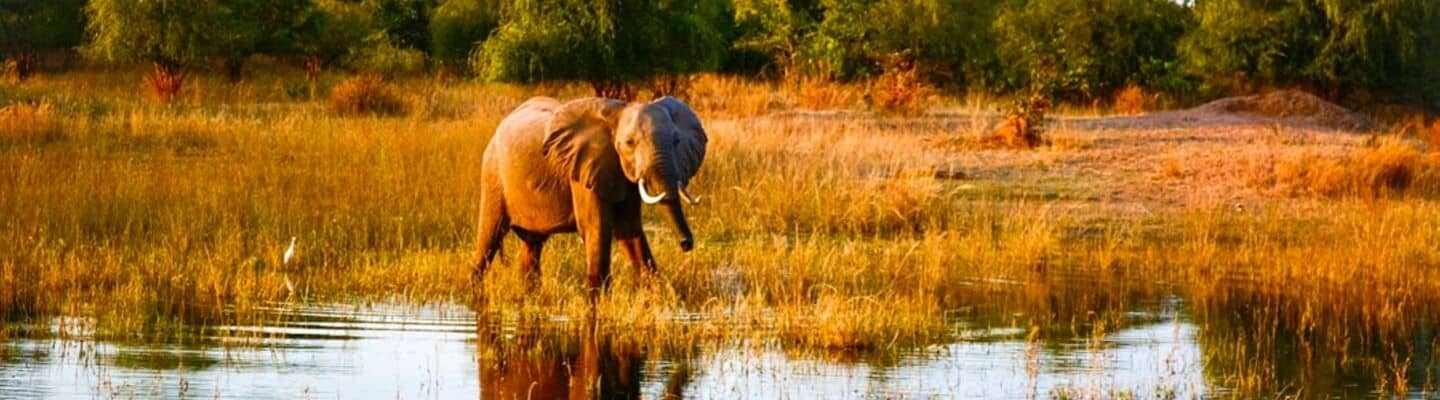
(576, 167)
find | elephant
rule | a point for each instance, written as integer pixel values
(587, 166)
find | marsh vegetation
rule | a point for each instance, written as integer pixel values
(1291, 252)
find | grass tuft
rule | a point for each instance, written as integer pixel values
(366, 94)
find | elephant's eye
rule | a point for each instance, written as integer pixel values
(630, 142)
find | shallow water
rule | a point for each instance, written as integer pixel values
(421, 353)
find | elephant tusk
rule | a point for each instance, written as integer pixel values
(646, 197)
(685, 194)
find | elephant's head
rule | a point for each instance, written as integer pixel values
(652, 148)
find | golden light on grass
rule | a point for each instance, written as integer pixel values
(828, 229)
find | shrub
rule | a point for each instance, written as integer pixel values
(1433, 136)
(1132, 100)
(609, 44)
(1387, 170)
(1023, 126)
(26, 119)
(821, 94)
(900, 89)
(164, 82)
(1391, 170)
(383, 57)
(1078, 49)
(365, 94)
(457, 26)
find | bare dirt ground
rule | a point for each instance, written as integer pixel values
(1222, 153)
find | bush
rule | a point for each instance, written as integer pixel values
(1132, 100)
(366, 94)
(1331, 46)
(1433, 136)
(1023, 127)
(900, 89)
(458, 26)
(384, 58)
(609, 44)
(21, 120)
(164, 82)
(1391, 170)
(1078, 49)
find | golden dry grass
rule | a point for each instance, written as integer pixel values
(1132, 100)
(832, 230)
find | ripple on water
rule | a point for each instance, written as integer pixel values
(390, 351)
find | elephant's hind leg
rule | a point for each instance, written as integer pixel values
(490, 234)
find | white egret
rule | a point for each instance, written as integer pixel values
(290, 251)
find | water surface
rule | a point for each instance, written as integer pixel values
(325, 352)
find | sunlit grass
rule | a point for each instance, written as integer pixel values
(828, 230)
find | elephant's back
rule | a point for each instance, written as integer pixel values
(519, 137)
(537, 197)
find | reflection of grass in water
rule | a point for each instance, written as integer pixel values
(829, 231)
(163, 360)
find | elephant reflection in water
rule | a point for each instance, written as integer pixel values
(539, 366)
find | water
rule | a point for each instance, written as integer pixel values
(438, 353)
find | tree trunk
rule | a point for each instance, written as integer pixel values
(234, 68)
(21, 65)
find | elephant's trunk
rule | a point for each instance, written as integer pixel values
(674, 206)
(676, 212)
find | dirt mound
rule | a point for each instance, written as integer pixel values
(1293, 104)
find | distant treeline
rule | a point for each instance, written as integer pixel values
(1071, 49)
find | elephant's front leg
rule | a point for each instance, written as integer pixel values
(630, 232)
(594, 218)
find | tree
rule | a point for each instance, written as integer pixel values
(776, 29)
(170, 34)
(406, 23)
(610, 44)
(1080, 49)
(951, 37)
(29, 27)
(1333, 46)
(458, 26)
(342, 28)
(272, 27)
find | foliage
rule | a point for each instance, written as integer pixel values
(272, 27)
(344, 27)
(900, 89)
(405, 23)
(1132, 99)
(951, 37)
(173, 33)
(457, 26)
(365, 94)
(775, 29)
(1330, 45)
(1081, 49)
(609, 44)
(27, 27)
(1023, 126)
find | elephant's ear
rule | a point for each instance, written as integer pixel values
(579, 140)
(690, 151)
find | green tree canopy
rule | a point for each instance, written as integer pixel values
(170, 33)
(607, 43)
(272, 27)
(1330, 45)
(457, 26)
(951, 35)
(1080, 49)
(29, 26)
